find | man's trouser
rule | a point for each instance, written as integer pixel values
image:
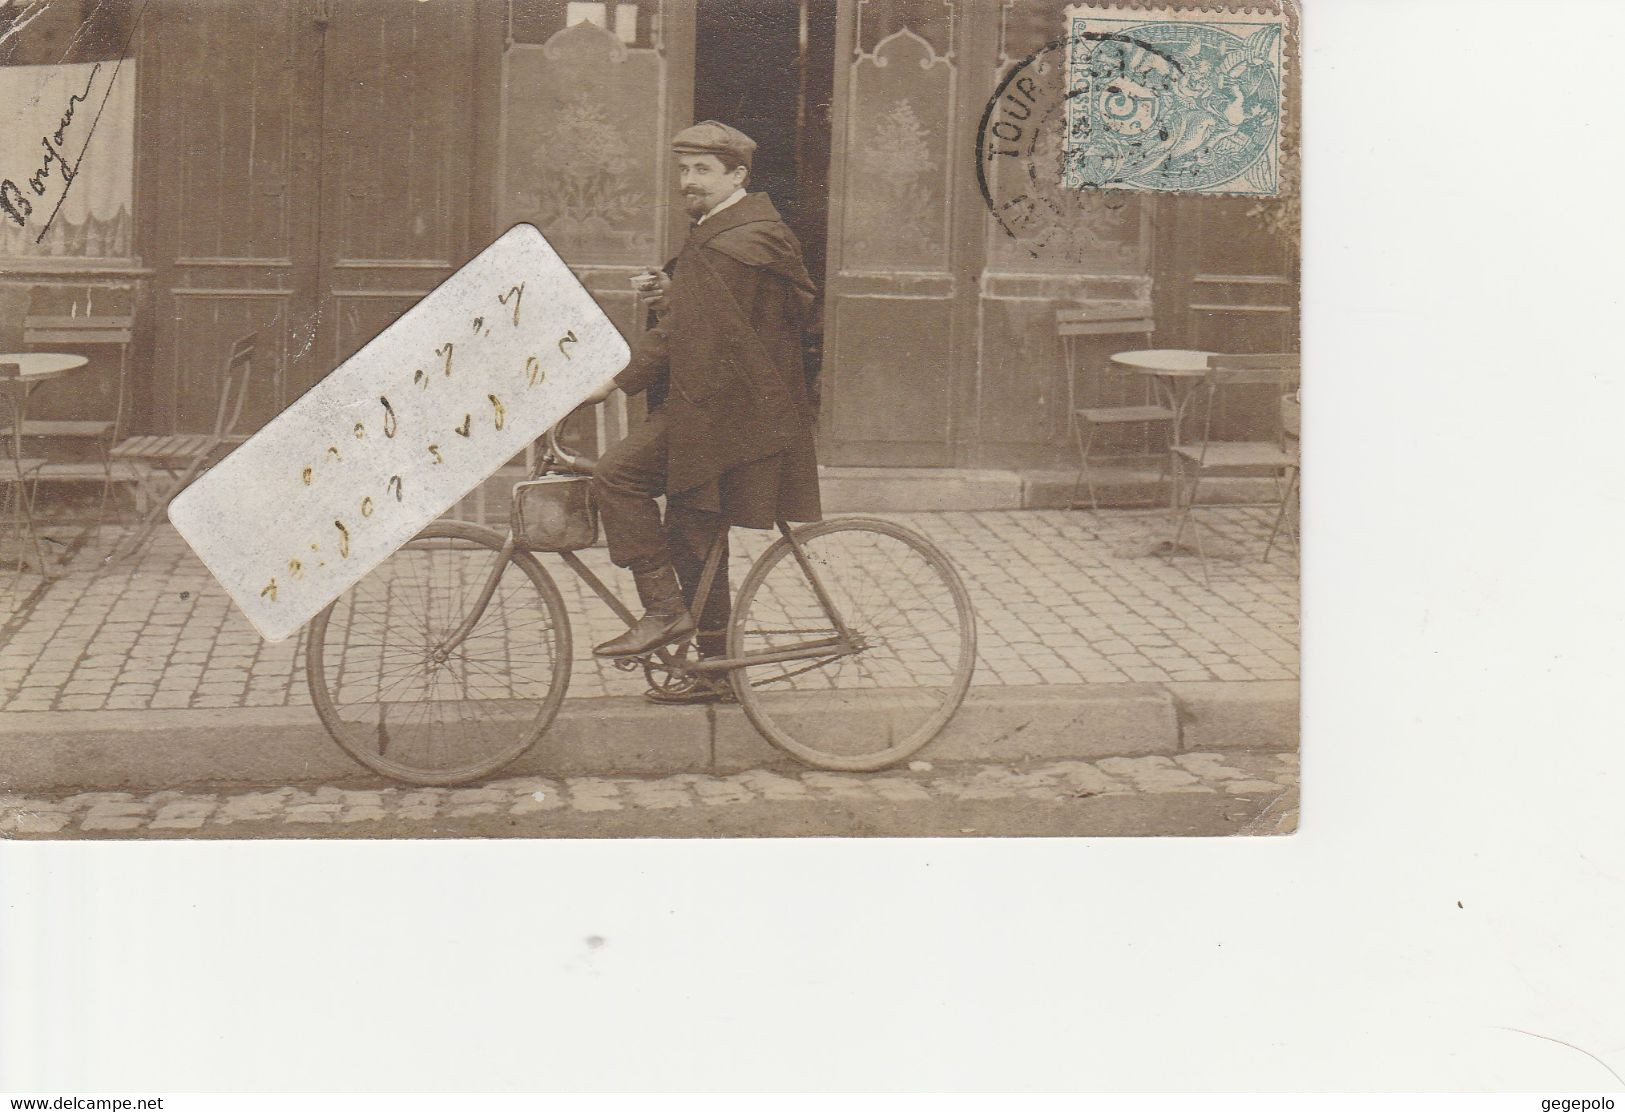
(626, 482)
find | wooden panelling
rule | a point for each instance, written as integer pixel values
(230, 102)
(1022, 388)
(359, 315)
(892, 400)
(898, 161)
(229, 193)
(891, 330)
(1242, 313)
(584, 150)
(1233, 282)
(212, 320)
(584, 158)
(315, 180)
(898, 285)
(614, 296)
(397, 103)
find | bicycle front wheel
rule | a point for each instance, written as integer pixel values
(397, 700)
(910, 617)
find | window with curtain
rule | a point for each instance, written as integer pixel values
(67, 131)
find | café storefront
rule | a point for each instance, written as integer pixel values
(309, 168)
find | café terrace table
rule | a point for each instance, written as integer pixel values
(1174, 374)
(21, 373)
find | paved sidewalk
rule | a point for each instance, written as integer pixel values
(1270, 777)
(1062, 597)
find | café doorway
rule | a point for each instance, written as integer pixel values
(767, 68)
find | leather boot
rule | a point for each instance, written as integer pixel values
(666, 617)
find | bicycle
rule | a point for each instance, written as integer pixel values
(851, 645)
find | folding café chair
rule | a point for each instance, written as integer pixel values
(58, 333)
(1210, 458)
(174, 461)
(1114, 408)
(19, 476)
(1291, 440)
(17, 479)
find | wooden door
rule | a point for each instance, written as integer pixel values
(397, 109)
(232, 192)
(890, 342)
(318, 173)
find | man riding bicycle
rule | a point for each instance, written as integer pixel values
(729, 438)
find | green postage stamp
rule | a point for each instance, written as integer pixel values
(1174, 100)
(1159, 100)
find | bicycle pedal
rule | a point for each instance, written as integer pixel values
(627, 663)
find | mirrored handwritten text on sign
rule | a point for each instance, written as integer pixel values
(401, 431)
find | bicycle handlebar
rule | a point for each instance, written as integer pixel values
(566, 461)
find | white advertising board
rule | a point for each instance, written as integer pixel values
(398, 433)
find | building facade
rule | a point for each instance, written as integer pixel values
(310, 168)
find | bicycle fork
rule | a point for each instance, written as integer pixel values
(818, 586)
(448, 645)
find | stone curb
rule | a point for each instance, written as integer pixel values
(121, 750)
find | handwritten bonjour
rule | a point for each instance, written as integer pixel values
(13, 202)
(532, 374)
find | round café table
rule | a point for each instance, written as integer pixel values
(21, 373)
(1174, 373)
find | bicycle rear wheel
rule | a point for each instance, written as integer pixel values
(908, 610)
(370, 660)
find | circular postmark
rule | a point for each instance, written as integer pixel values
(1021, 164)
(1086, 120)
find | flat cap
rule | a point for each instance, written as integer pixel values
(711, 137)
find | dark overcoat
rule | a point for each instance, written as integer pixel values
(726, 354)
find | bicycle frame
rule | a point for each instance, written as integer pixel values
(844, 643)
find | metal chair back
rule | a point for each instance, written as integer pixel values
(1108, 401)
(234, 386)
(1279, 370)
(87, 331)
(182, 457)
(77, 331)
(1129, 319)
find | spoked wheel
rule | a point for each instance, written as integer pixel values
(913, 626)
(410, 712)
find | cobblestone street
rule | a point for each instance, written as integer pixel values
(1263, 784)
(1061, 598)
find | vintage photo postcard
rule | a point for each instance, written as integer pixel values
(648, 418)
